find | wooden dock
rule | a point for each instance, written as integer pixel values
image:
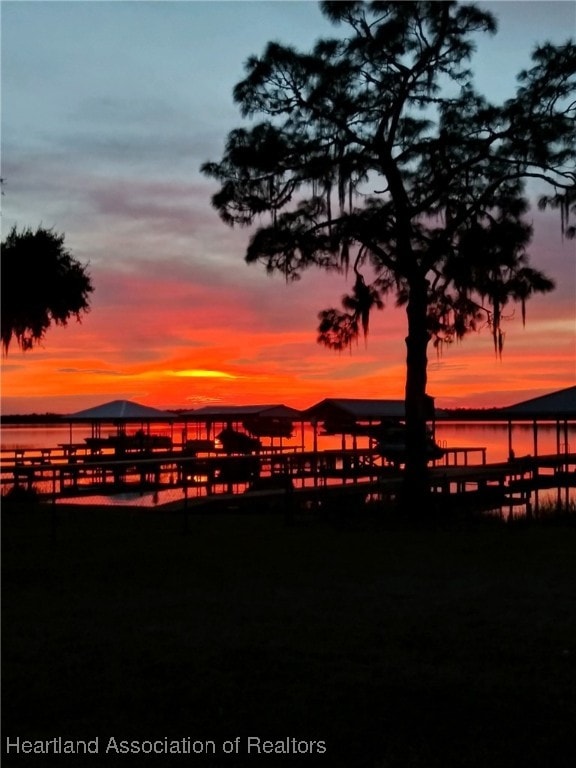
(68, 473)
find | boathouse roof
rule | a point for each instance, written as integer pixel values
(559, 404)
(361, 409)
(223, 412)
(121, 410)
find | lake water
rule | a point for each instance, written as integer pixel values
(492, 436)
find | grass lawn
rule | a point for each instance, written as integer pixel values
(396, 647)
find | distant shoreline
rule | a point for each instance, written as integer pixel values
(33, 418)
(442, 414)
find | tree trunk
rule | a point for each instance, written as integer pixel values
(416, 487)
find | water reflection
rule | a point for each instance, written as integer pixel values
(492, 436)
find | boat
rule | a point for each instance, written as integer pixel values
(139, 441)
(263, 426)
(391, 444)
(389, 437)
(233, 441)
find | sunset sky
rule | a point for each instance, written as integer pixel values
(108, 111)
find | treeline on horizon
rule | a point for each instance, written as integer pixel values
(55, 418)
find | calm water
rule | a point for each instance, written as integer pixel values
(492, 436)
(52, 435)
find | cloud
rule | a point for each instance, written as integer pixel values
(199, 400)
(92, 371)
(166, 208)
(136, 113)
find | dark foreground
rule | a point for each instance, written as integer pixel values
(394, 647)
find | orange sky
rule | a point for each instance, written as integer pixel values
(170, 335)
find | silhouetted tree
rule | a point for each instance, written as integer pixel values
(41, 284)
(407, 173)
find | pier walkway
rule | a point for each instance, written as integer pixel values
(72, 472)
